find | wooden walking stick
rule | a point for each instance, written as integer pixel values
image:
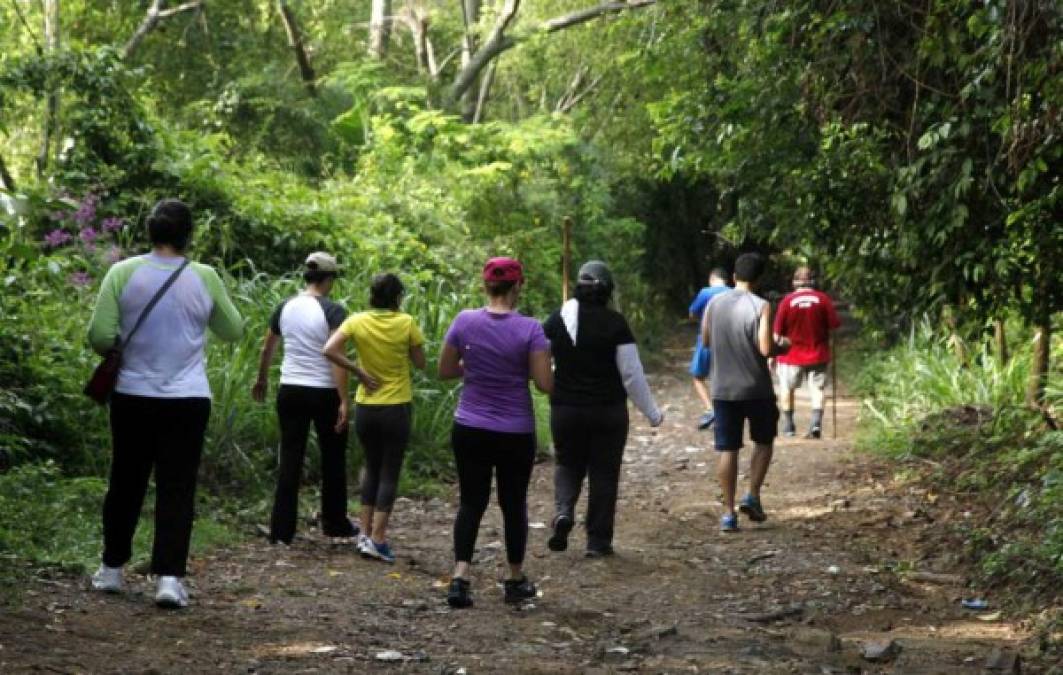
(834, 387)
(566, 255)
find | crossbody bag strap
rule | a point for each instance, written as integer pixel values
(154, 301)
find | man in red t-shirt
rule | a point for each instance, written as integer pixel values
(807, 318)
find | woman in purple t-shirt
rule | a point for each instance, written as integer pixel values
(495, 350)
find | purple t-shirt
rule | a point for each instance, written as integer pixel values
(494, 352)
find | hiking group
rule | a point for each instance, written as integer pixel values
(583, 356)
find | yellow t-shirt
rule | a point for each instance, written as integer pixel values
(382, 338)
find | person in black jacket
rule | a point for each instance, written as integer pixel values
(597, 368)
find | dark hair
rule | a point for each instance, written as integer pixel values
(497, 289)
(749, 267)
(719, 273)
(384, 291)
(313, 276)
(170, 223)
(594, 294)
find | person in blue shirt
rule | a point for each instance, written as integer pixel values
(702, 359)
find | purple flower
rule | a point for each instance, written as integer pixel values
(112, 224)
(86, 212)
(57, 238)
(89, 236)
(114, 254)
(80, 279)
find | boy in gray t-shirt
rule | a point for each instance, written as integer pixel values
(737, 326)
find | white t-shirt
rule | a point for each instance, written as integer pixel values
(305, 322)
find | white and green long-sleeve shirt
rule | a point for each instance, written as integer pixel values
(165, 357)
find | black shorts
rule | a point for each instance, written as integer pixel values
(763, 416)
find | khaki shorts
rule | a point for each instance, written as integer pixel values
(792, 377)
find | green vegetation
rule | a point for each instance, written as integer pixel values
(967, 421)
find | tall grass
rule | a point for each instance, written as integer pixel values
(924, 375)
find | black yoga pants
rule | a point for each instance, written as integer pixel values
(164, 434)
(297, 408)
(384, 432)
(589, 443)
(479, 453)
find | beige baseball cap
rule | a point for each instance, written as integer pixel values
(321, 261)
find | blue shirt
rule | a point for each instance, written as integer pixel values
(701, 301)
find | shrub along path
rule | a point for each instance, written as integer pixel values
(827, 577)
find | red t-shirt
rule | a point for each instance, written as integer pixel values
(807, 317)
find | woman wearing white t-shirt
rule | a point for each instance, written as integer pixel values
(311, 391)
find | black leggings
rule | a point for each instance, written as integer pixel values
(384, 432)
(478, 453)
(164, 434)
(297, 407)
(589, 442)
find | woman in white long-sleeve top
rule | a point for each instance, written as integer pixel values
(597, 369)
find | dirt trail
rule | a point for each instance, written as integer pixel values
(678, 596)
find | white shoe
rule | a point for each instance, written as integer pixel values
(108, 579)
(362, 542)
(171, 593)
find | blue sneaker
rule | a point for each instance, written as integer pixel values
(381, 551)
(729, 522)
(750, 506)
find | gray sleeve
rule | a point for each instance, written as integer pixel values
(630, 367)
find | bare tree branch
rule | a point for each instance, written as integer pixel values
(574, 100)
(155, 14)
(499, 42)
(26, 25)
(496, 43)
(295, 41)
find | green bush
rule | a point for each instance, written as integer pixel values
(920, 400)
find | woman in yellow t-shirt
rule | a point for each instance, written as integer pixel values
(387, 342)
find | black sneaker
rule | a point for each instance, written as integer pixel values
(458, 595)
(518, 590)
(599, 552)
(814, 432)
(559, 540)
(789, 431)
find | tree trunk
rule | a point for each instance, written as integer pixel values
(959, 347)
(379, 28)
(1000, 341)
(295, 41)
(1042, 341)
(5, 176)
(51, 115)
(471, 16)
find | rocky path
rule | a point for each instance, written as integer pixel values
(828, 583)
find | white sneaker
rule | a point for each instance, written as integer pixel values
(171, 593)
(108, 579)
(362, 542)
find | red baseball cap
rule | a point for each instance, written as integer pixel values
(503, 269)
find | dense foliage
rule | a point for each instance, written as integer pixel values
(968, 425)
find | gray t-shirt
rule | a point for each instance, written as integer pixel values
(739, 371)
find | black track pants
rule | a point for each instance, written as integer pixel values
(589, 442)
(164, 434)
(384, 432)
(479, 453)
(297, 408)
